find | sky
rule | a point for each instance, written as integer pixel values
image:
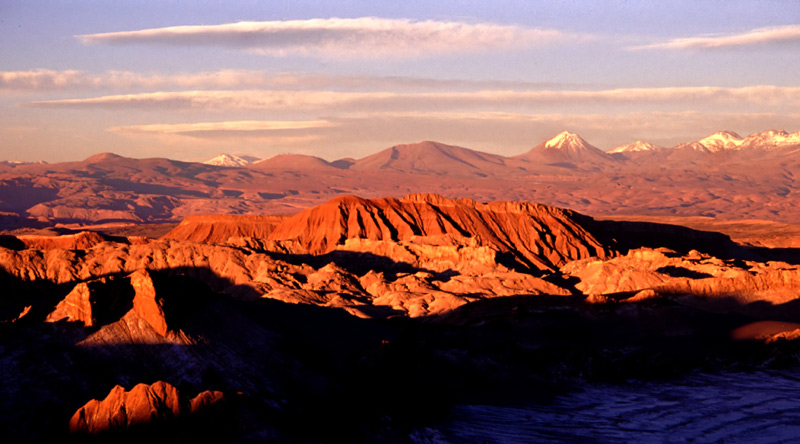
(189, 80)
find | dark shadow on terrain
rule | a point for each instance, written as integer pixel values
(671, 270)
(360, 263)
(146, 188)
(626, 235)
(788, 255)
(19, 196)
(12, 243)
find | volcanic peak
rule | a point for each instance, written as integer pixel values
(229, 160)
(429, 157)
(567, 141)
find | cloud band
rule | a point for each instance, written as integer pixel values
(368, 37)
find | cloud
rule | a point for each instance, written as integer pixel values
(67, 80)
(238, 128)
(365, 37)
(760, 36)
(354, 102)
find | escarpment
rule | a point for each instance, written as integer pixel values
(534, 236)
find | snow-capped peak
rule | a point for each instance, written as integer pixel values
(635, 147)
(229, 160)
(564, 139)
(722, 140)
(772, 139)
(569, 142)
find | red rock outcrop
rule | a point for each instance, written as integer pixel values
(221, 229)
(147, 303)
(94, 302)
(144, 405)
(535, 236)
(695, 279)
(77, 241)
(110, 299)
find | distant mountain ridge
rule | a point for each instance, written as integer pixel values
(637, 146)
(722, 174)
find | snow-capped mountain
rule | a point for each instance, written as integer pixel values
(721, 140)
(229, 160)
(772, 139)
(566, 149)
(568, 142)
(635, 147)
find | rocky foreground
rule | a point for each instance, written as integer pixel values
(369, 319)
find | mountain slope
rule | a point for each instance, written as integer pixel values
(292, 162)
(432, 158)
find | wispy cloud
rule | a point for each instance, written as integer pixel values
(76, 80)
(45, 79)
(338, 102)
(760, 36)
(365, 37)
(240, 127)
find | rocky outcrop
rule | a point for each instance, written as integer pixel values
(95, 302)
(695, 279)
(222, 229)
(529, 235)
(134, 298)
(77, 241)
(143, 406)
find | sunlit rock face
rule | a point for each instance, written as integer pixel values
(141, 407)
(534, 236)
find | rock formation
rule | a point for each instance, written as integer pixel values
(221, 229)
(533, 236)
(143, 406)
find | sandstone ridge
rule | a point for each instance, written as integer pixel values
(535, 236)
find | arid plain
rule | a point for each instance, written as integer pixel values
(379, 299)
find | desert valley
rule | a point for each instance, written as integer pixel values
(425, 293)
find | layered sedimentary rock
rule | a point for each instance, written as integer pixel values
(221, 229)
(531, 235)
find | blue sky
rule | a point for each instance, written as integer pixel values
(191, 79)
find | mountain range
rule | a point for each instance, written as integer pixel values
(722, 175)
(295, 299)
